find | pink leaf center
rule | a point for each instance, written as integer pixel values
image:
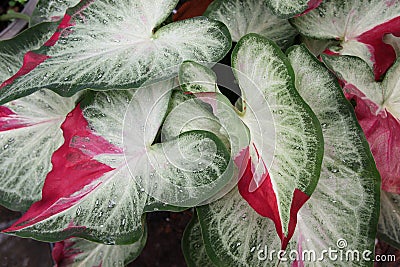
(382, 130)
(263, 200)
(75, 173)
(31, 61)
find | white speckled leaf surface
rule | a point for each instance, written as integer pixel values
(29, 135)
(286, 137)
(75, 252)
(12, 51)
(251, 16)
(234, 234)
(50, 10)
(114, 45)
(389, 220)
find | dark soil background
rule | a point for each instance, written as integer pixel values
(163, 247)
(20, 252)
(4, 7)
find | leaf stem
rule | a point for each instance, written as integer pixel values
(14, 15)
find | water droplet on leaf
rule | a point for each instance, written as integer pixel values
(111, 204)
(78, 211)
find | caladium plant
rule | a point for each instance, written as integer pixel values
(114, 109)
(358, 27)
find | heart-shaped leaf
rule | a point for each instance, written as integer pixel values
(235, 235)
(290, 8)
(29, 134)
(378, 112)
(51, 10)
(12, 51)
(251, 16)
(81, 252)
(359, 26)
(389, 219)
(76, 173)
(95, 35)
(286, 146)
(82, 196)
(92, 191)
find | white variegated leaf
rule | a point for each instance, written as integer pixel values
(345, 20)
(196, 78)
(50, 10)
(182, 171)
(193, 247)
(107, 209)
(359, 26)
(251, 16)
(12, 51)
(290, 8)
(235, 235)
(116, 45)
(286, 139)
(389, 219)
(29, 134)
(93, 193)
(378, 112)
(75, 252)
(317, 46)
(214, 113)
(332, 213)
(354, 71)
